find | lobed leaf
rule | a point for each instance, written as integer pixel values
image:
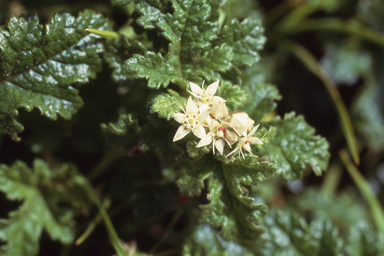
(197, 47)
(206, 241)
(41, 191)
(293, 145)
(230, 207)
(233, 94)
(261, 99)
(340, 63)
(289, 234)
(246, 39)
(39, 64)
(165, 105)
(364, 241)
(117, 51)
(368, 116)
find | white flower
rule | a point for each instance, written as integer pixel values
(217, 136)
(191, 120)
(244, 143)
(205, 97)
(241, 122)
(219, 110)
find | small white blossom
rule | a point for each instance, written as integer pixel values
(244, 143)
(205, 97)
(241, 122)
(217, 136)
(191, 120)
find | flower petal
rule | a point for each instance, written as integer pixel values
(191, 107)
(255, 140)
(247, 147)
(199, 131)
(203, 116)
(219, 144)
(217, 99)
(204, 108)
(212, 88)
(233, 151)
(181, 133)
(219, 110)
(205, 140)
(253, 130)
(195, 88)
(231, 137)
(179, 117)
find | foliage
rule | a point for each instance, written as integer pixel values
(38, 210)
(179, 166)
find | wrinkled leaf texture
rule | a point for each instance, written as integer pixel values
(292, 144)
(39, 64)
(197, 47)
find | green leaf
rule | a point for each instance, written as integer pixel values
(197, 48)
(41, 190)
(166, 104)
(189, 33)
(123, 133)
(117, 52)
(121, 2)
(288, 234)
(246, 39)
(132, 139)
(368, 116)
(233, 94)
(340, 62)
(293, 145)
(364, 241)
(207, 241)
(261, 99)
(39, 64)
(197, 153)
(230, 209)
(342, 209)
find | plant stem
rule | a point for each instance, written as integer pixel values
(173, 222)
(352, 27)
(109, 157)
(331, 180)
(345, 121)
(364, 187)
(84, 183)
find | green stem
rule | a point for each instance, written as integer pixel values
(173, 222)
(345, 121)
(293, 19)
(364, 187)
(279, 10)
(84, 183)
(92, 225)
(108, 158)
(334, 24)
(331, 181)
(105, 34)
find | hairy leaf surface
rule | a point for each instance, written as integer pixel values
(39, 65)
(207, 241)
(289, 234)
(197, 47)
(293, 145)
(230, 209)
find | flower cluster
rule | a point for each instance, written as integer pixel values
(208, 119)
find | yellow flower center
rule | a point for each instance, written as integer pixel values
(191, 121)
